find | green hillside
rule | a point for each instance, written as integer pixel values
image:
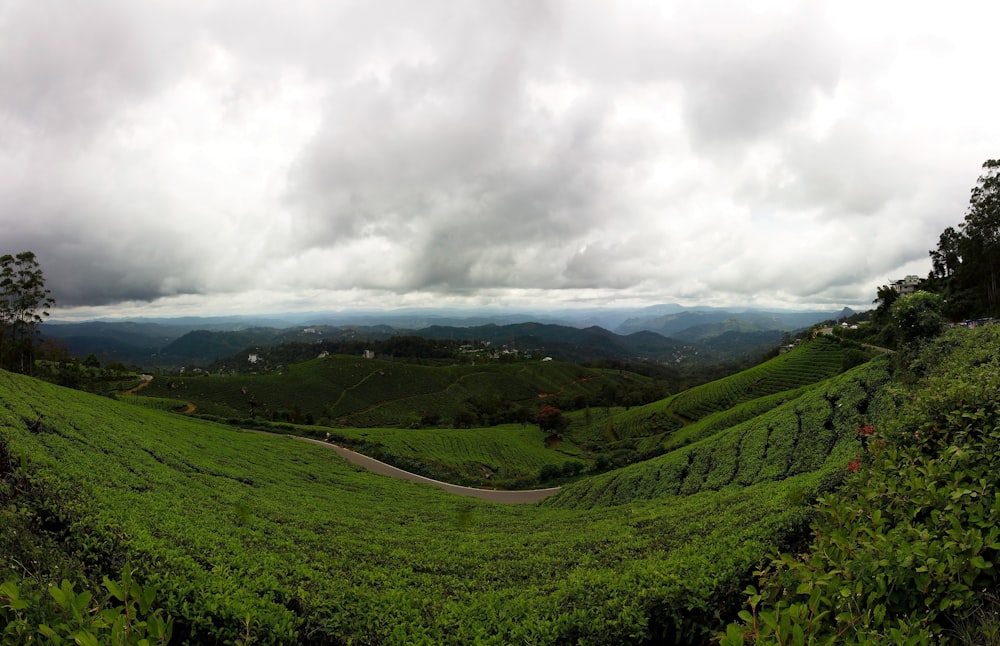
(247, 534)
(682, 418)
(374, 394)
(508, 457)
(351, 391)
(800, 435)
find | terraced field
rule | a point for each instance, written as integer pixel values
(507, 456)
(759, 388)
(798, 435)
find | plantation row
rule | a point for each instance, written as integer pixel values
(908, 550)
(680, 419)
(815, 431)
(502, 456)
(257, 537)
(814, 361)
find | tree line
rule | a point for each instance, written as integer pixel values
(24, 304)
(966, 263)
(964, 281)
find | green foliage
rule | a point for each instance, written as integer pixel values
(24, 304)
(809, 363)
(350, 391)
(917, 316)
(656, 428)
(966, 271)
(61, 615)
(905, 553)
(253, 537)
(813, 432)
(507, 457)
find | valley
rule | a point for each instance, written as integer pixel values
(662, 510)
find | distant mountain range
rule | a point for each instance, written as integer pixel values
(664, 333)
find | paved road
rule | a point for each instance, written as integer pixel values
(492, 495)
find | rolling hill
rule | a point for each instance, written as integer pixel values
(252, 535)
(351, 391)
(665, 333)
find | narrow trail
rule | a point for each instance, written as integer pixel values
(143, 384)
(491, 495)
(362, 411)
(349, 388)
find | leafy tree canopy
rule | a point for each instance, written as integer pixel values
(918, 316)
(966, 262)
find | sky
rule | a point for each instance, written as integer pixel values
(221, 157)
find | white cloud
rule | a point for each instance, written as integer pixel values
(266, 155)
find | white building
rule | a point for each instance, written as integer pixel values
(908, 285)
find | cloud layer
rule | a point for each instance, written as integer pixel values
(257, 156)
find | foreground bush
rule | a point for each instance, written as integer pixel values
(908, 551)
(62, 615)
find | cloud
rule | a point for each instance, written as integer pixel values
(748, 74)
(189, 155)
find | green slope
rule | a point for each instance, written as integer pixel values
(505, 457)
(350, 391)
(682, 418)
(813, 431)
(244, 533)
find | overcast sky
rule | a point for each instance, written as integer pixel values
(240, 156)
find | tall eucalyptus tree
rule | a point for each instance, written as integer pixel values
(24, 304)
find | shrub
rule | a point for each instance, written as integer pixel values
(910, 548)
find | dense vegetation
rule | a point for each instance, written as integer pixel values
(908, 552)
(351, 391)
(24, 303)
(966, 263)
(658, 550)
(246, 536)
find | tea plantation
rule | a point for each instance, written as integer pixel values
(251, 538)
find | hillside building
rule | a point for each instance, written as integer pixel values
(907, 286)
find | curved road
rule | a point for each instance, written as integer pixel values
(373, 465)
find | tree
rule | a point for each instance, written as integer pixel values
(918, 316)
(881, 316)
(550, 419)
(24, 304)
(966, 263)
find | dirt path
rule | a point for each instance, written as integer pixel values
(143, 384)
(373, 465)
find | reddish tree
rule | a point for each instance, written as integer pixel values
(550, 419)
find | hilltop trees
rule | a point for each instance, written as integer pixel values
(966, 263)
(24, 304)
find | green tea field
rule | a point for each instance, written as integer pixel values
(265, 539)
